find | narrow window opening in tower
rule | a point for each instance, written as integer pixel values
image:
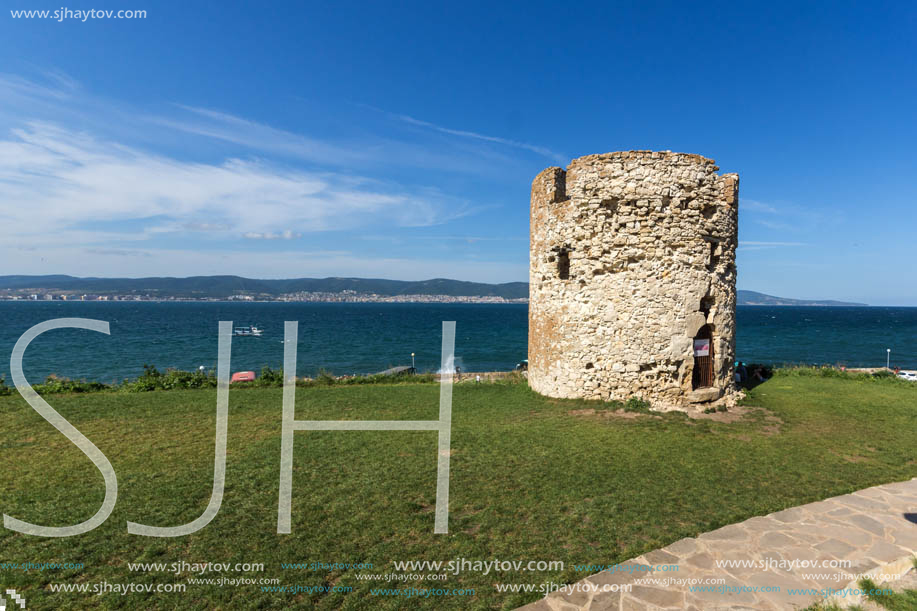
(563, 265)
(714, 258)
(706, 304)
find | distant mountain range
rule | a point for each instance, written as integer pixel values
(224, 286)
(752, 298)
(217, 287)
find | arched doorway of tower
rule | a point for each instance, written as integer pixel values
(703, 358)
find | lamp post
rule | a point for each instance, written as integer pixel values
(888, 357)
(412, 360)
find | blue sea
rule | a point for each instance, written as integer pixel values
(367, 338)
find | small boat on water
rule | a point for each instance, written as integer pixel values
(248, 331)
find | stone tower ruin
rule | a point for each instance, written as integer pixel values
(633, 279)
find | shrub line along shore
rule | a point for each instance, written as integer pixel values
(172, 379)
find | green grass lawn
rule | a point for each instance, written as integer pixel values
(530, 481)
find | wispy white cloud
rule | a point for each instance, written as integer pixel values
(199, 227)
(752, 245)
(230, 128)
(756, 206)
(60, 87)
(775, 225)
(58, 98)
(282, 235)
(366, 151)
(468, 134)
(461, 133)
(470, 238)
(118, 252)
(53, 180)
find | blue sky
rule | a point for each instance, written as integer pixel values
(399, 140)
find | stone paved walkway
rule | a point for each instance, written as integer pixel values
(875, 529)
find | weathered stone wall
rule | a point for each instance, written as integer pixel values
(632, 253)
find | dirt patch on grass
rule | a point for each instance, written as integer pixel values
(733, 414)
(771, 423)
(852, 458)
(464, 513)
(611, 413)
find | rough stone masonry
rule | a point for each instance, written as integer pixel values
(632, 279)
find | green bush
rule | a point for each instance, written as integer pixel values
(880, 376)
(324, 378)
(153, 379)
(4, 389)
(636, 404)
(54, 384)
(270, 377)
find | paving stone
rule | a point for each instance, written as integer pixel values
(708, 606)
(766, 523)
(862, 565)
(772, 557)
(895, 522)
(575, 599)
(661, 597)
(883, 551)
(905, 538)
(804, 534)
(629, 603)
(878, 493)
(733, 532)
(776, 539)
(606, 601)
(855, 536)
(661, 557)
(782, 583)
(793, 514)
(798, 553)
(736, 594)
(723, 546)
(618, 577)
(868, 524)
(538, 605)
(828, 531)
(820, 507)
(558, 604)
(683, 547)
(703, 560)
(859, 502)
(905, 487)
(836, 578)
(836, 548)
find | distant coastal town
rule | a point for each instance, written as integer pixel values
(346, 296)
(304, 290)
